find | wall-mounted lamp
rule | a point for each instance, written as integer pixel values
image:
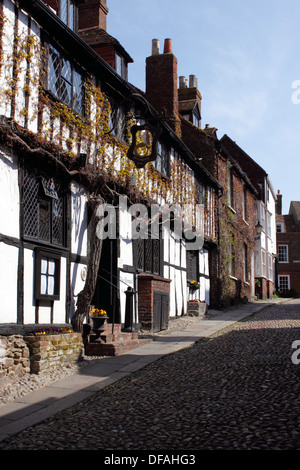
(258, 229)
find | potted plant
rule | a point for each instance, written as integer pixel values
(194, 285)
(98, 317)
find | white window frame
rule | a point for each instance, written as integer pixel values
(279, 224)
(269, 224)
(270, 267)
(287, 276)
(287, 254)
(263, 264)
(262, 216)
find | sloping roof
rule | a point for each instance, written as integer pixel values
(295, 210)
(253, 170)
(99, 37)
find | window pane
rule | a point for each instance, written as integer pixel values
(64, 10)
(50, 290)
(30, 204)
(43, 284)
(71, 16)
(44, 265)
(51, 267)
(77, 92)
(66, 82)
(57, 222)
(54, 71)
(44, 220)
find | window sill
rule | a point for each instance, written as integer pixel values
(232, 209)
(233, 278)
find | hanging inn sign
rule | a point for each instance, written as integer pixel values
(143, 148)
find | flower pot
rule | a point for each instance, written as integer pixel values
(194, 286)
(98, 325)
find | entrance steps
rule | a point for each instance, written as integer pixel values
(112, 341)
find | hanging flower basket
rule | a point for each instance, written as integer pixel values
(194, 285)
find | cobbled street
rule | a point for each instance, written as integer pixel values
(237, 390)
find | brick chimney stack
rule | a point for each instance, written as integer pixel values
(91, 14)
(161, 83)
(279, 203)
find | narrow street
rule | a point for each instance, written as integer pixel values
(237, 390)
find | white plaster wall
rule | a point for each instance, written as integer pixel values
(77, 283)
(125, 233)
(29, 302)
(204, 291)
(79, 219)
(9, 196)
(8, 283)
(59, 306)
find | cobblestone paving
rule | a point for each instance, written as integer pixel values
(238, 389)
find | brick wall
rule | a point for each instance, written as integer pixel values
(148, 284)
(92, 13)
(233, 225)
(53, 351)
(162, 87)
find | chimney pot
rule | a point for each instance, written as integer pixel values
(168, 46)
(182, 82)
(155, 47)
(193, 81)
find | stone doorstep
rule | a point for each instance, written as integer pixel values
(110, 346)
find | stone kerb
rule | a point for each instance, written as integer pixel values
(54, 351)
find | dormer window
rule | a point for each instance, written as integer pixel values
(66, 10)
(67, 13)
(121, 66)
(196, 117)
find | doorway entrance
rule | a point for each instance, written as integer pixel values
(106, 295)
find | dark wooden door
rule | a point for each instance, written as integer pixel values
(160, 311)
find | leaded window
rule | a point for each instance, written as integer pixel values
(162, 162)
(118, 120)
(43, 209)
(67, 13)
(65, 81)
(147, 253)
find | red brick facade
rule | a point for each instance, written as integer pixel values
(289, 237)
(148, 285)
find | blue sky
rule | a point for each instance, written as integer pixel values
(246, 56)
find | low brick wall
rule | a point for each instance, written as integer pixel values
(53, 351)
(14, 357)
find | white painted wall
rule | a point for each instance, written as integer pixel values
(79, 217)
(9, 196)
(8, 283)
